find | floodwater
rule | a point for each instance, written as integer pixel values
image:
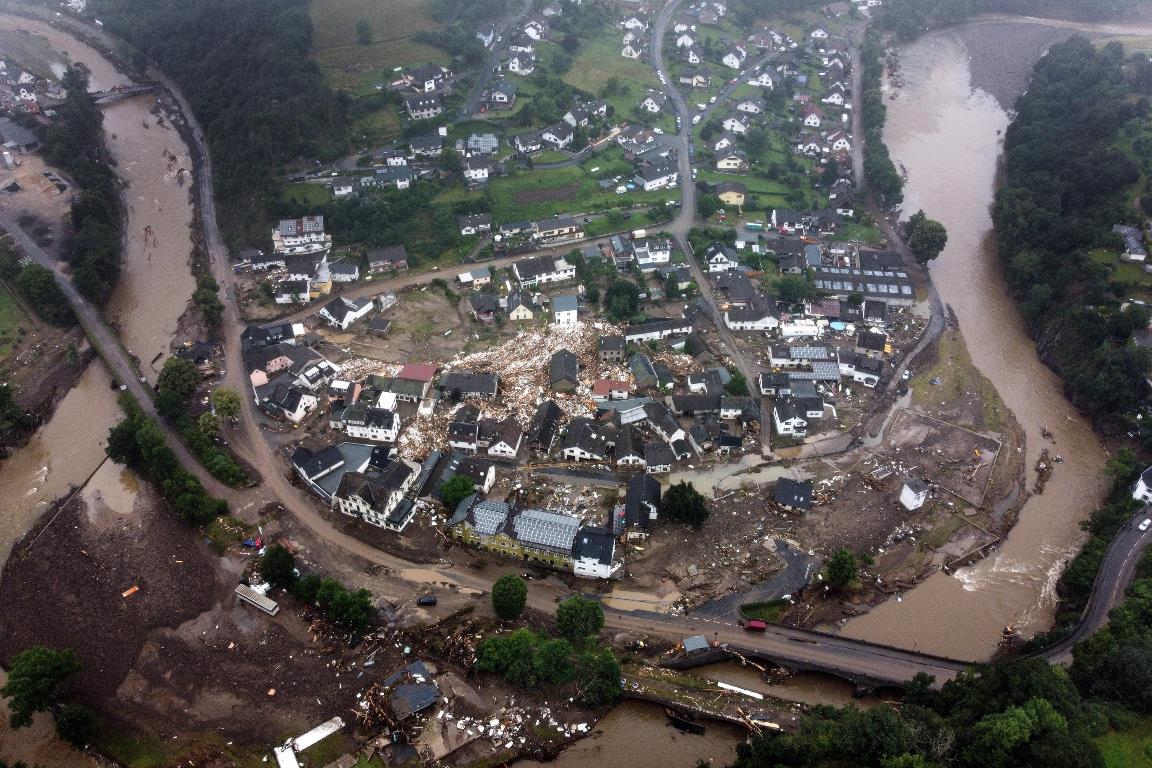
(962, 615)
(637, 734)
(62, 454)
(152, 161)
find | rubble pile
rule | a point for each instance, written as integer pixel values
(360, 368)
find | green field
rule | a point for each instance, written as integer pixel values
(600, 59)
(537, 194)
(12, 321)
(771, 193)
(335, 46)
(1131, 748)
(307, 194)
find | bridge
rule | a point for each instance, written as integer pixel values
(121, 92)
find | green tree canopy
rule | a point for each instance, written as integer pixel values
(926, 237)
(842, 568)
(76, 724)
(579, 618)
(456, 490)
(36, 681)
(278, 567)
(178, 376)
(622, 300)
(226, 402)
(509, 596)
(682, 503)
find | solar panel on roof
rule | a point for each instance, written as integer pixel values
(490, 517)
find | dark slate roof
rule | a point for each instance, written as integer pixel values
(789, 408)
(563, 367)
(314, 464)
(881, 260)
(695, 403)
(657, 454)
(610, 344)
(793, 493)
(871, 341)
(641, 489)
(469, 383)
(596, 543)
(545, 422)
(410, 698)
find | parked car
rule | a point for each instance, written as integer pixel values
(426, 600)
(1144, 525)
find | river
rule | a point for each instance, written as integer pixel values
(939, 108)
(154, 289)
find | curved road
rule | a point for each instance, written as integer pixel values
(800, 649)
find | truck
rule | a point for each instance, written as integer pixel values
(753, 226)
(755, 625)
(639, 234)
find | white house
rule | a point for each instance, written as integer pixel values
(565, 310)
(752, 105)
(367, 423)
(835, 98)
(766, 79)
(653, 103)
(737, 124)
(837, 141)
(685, 40)
(813, 116)
(657, 175)
(592, 554)
(726, 141)
(818, 34)
(719, 259)
(378, 500)
(476, 168)
(788, 419)
(1143, 490)
(506, 443)
(913, 494)
(559, 136)
(524, 64)
(761, 316)
(632, 51)
(342, 312)
(635, 23)
(732, 59)
(652, 253)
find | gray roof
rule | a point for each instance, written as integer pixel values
(565, 303)
(563, 367)
(595, 543)
(547, 530)
(793, 493)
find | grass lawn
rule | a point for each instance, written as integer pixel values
(541, 193)
(956, 374)
(306, 194)
(379, 127)
(861, 233)
(1129, 748)
(335, 46)
(12, 319)
(600, 59)
(769, 611)
(770, 193)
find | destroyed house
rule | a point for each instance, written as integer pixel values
(793, 494)
(641, 503)
(464, 429)
(545, 424)
(663, 422)
(643, 372)
(460, 383)
(563, 371)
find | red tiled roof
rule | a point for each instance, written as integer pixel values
(417, 372)
(605, 386)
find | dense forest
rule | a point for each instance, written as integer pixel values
(75, 144)
(908, 18)
(1065, 186)
(244, 67)
(879, 171)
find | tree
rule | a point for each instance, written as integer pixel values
(926, 237)
(684, 504)
(792, 289)
(579, 618)
(707, 205)
(511, 655)
(38, 286)
(450, 161)
(209, 424)
(76, 724)
(570, 43)
(35, 681)
(207, 300)
(672, 286)
(842, 568)
(178, 376)
(364, 32)
(738, 385)
(509, 596)
(226, 402)
(598, 677)
(553, 662)
(278, 567)
(622, 300)
(456, 490)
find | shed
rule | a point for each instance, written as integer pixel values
(914, 493)
(694, 644)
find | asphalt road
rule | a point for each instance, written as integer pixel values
(800, 649)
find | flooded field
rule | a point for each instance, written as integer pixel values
(637, 734)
